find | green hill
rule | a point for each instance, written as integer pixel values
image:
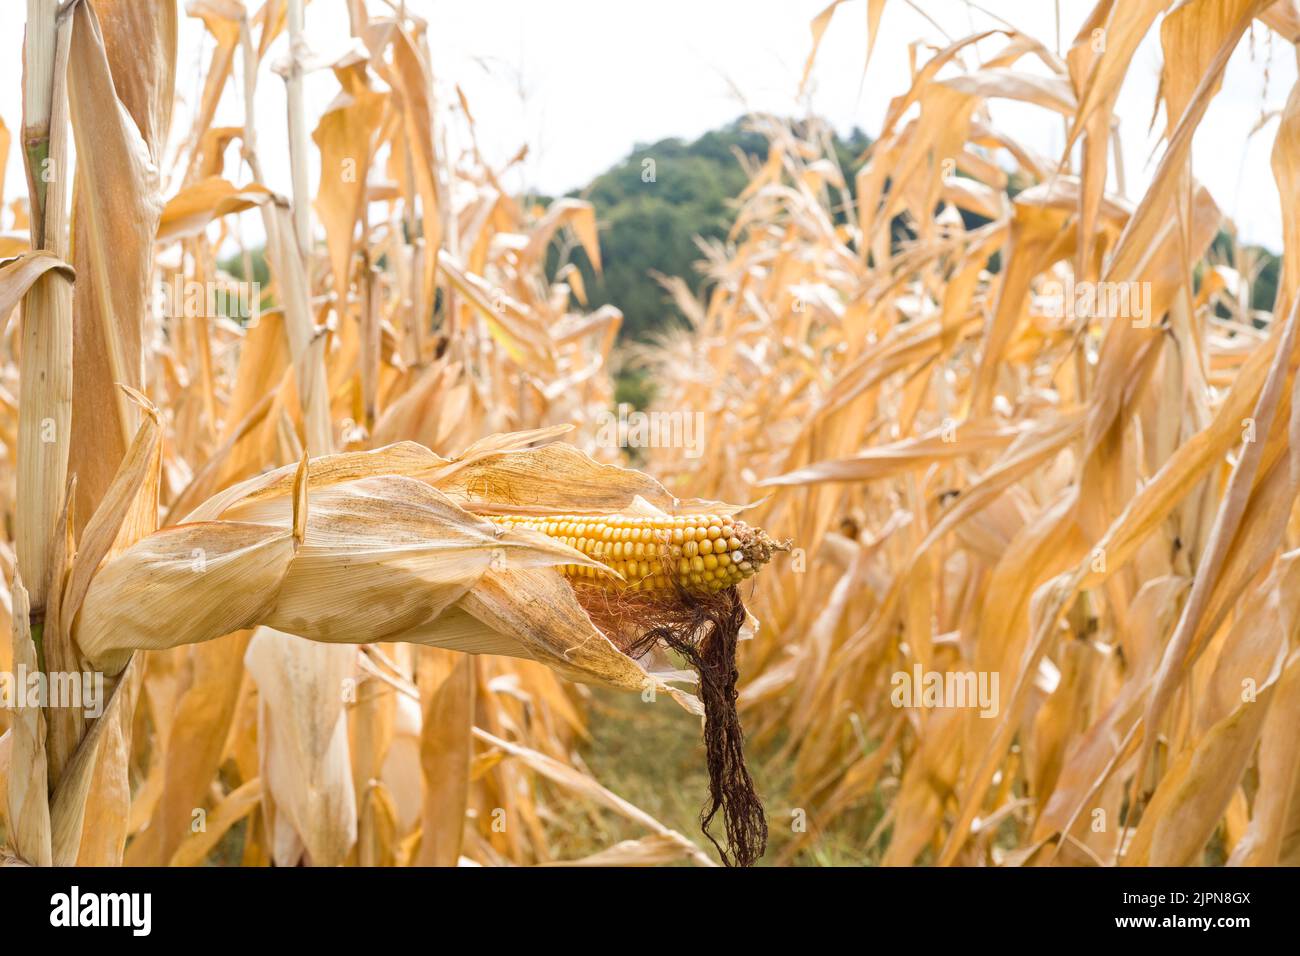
(653, 204)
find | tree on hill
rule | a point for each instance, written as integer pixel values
(654, 204)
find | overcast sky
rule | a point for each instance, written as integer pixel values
(582, 81)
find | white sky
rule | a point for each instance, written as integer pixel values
(582, 81)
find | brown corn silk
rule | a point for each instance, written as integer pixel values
(677, 587)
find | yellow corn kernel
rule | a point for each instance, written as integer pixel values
(697, 552)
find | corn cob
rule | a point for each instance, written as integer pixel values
(700, 552)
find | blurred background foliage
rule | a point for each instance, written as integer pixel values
(663, 199)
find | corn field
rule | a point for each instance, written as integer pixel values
(346, 552)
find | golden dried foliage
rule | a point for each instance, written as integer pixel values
(1034, 436)
(1040, 438)
(281, 541)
